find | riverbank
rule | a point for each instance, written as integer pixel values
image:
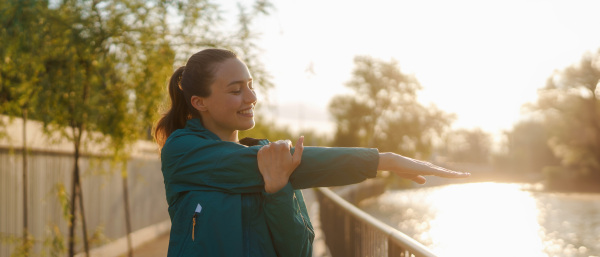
(572, 185)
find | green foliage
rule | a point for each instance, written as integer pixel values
(24, 244)
(570, 105)
(96, 70)
(527, 148)
(63, 199)
(98, 237)
(21, 53)
(54, 243)
(24, 247)
(463, 145)
(103, 66)
(383, 112)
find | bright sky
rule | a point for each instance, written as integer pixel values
(479, 59)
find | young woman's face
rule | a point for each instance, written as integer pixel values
(230, 106)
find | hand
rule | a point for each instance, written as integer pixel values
(414, 170)
(276, 163)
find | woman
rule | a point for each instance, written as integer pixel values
(231, 197)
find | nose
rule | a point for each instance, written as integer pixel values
(249, 96)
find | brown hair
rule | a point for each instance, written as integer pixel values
(192, 79)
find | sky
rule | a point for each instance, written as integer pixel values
(481, 60)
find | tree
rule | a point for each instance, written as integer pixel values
(102, 67)
(527, 148)
(472, 146)
(570, 105)
(21, 53)
(107, 70)
(384, 112)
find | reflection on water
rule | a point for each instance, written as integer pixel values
(493, 219)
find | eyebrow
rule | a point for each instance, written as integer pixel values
(239, 82)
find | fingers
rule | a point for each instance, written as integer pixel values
(446, 173)
(262, 150)
(426, 168)
(297, 157)
(416, 178)
(279, 149)
(419, 179)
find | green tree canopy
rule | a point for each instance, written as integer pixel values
(464, 145)
(527, 148)
(98, 69)
(570, 104)
(22, 47)
(384, 112)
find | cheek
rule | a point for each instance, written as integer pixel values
(229, 104)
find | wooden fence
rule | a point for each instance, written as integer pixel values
(50, 174)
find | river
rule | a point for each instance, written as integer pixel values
(493, 219)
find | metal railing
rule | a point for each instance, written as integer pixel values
(350, 232)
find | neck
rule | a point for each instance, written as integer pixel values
(231, 137)
(223, 134)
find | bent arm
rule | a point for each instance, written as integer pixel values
(288, 222)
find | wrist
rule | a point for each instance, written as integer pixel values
(274, 185)
(385, 161)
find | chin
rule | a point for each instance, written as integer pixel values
(248, 126)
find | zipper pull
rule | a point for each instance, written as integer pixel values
(194, 225)
(198, 210)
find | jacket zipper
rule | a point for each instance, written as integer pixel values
(194, 224)
(302, 216)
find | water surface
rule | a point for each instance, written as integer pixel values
(494, 219)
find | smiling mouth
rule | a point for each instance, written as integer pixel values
(247, 112)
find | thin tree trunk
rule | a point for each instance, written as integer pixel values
(77, 196)
(86, 246)
(80, 193)
(127, 214)
(72, 218)
(25, 202)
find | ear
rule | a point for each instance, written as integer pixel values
(199, 103)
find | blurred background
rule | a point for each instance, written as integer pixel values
(506, 90)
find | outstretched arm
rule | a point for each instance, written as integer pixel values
(276, 164)
(192, 163)
(414, 170)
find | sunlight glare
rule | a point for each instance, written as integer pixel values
(499, 215)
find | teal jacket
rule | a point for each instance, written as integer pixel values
(217, 202)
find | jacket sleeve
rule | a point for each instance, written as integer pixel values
(320, 166)
(233, 168)
(288, 222)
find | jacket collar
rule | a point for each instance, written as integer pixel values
(195, 125)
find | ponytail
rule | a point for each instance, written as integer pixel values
(177, 115)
